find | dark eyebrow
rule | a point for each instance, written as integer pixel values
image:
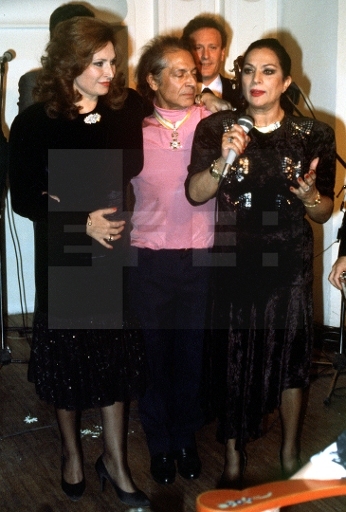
(263, 66)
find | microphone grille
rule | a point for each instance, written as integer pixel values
(246, 122)
(8, 56)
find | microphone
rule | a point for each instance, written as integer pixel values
(246, 122)
(6, 57)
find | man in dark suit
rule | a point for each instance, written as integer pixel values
(207, 39)
(27, 82)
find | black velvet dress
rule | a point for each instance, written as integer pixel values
(262, 318)
(82, 353)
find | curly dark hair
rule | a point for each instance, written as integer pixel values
(153, 61)
(68, 54)
(204, 21)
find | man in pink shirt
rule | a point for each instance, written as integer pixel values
(170, 275)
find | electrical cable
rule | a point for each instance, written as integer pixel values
(19, 265)
(6, 356)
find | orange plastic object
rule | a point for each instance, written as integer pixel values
(270, 495)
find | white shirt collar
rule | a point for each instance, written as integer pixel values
(215, 86)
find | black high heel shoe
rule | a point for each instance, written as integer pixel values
(72, 491)
(133, 499)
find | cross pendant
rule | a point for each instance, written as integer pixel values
(175, 144)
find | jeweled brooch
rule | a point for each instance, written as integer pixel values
(92, 118)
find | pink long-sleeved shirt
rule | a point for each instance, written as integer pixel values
(163, 218)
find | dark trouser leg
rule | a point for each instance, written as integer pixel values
(155, 405)
(186, 404)
(169, 296)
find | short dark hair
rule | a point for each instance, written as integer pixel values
(204, 21)
(152, 61)
(66, 12)
(274, 45)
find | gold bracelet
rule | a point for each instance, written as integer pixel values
(315, 203)
(215, 171)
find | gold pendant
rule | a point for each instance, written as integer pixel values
(175, 144)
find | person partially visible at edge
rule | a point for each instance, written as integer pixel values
(262, 302)
(28, 81)
(207, 38)
(72, 155)
(328, 464)
(339, 265)
(169, 276)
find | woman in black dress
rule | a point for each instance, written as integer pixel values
(72, 155)
(262, 309)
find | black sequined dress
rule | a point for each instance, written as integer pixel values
(82, 354)
(262, 316)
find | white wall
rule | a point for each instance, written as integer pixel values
(312, 31)
(314, 38)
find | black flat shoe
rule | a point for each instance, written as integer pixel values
(188, 462)
(73, 491)
(236, 483)
(135, 499)
(162, 468)
(287, 473)
(227, 483)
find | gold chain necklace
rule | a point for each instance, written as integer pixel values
(175, 143)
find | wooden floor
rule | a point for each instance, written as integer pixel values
(30, 448)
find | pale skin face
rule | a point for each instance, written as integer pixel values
(176, 88)
(263, 81)
(208, 53)
(96, 78)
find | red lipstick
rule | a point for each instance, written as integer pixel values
(256, 93)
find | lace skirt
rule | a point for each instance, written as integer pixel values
(77, 369)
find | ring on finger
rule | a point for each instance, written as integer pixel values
(307, 188)
(230, 139)
(110, 238)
